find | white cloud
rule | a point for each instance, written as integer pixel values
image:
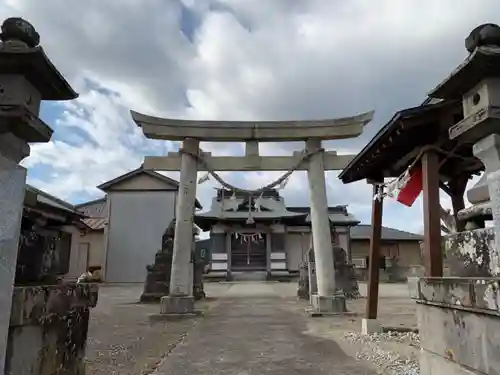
(247, 60)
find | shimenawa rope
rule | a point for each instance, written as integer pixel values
(306, 155)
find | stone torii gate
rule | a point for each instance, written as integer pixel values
(189, 160)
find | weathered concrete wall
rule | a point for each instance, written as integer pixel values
(459, 323)
(48, 329)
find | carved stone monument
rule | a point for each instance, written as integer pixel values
(157, 283)
(345, 276)
(158, 277)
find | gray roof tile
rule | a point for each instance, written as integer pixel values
(363, 232)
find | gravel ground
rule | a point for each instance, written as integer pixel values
(376, 348)
(122, 339)
(391, 353)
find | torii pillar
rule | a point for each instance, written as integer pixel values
(180, 299)
(327, 299)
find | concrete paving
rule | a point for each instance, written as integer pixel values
(256, 328)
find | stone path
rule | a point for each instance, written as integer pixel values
(254, 330)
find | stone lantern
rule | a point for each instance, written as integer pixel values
(27, 77)
(459, 315)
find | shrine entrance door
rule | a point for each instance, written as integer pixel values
(248, 252)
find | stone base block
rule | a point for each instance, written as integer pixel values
(177, 305)
(328, 305)
(370, 326)
(413, 287)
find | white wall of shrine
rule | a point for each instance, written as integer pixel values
(297, 243)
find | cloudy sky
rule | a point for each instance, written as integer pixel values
(236, 60)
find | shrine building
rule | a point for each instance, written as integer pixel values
(249, 233)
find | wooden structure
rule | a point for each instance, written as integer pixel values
(416, 135)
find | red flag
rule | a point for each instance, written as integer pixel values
(411, 188)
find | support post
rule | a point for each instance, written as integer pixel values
(370, 324)
(180, 300)
(252, 148)
(433, 257)
(374, 257)
(327, 299)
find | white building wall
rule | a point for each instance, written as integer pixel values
(296, 247)
(137, 221)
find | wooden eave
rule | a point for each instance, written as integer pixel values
(397, 144)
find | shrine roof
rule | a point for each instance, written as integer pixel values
(271, 207)
(338, 215)
(363, 232)
(398, 143)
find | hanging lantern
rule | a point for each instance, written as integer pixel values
(250, 220)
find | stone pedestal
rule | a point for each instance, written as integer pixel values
(48, 329)
(173, 305)
(459, 325)
(335, 304)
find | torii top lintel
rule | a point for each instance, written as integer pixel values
(263, 131)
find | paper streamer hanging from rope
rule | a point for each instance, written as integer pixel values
(405, 189)
(247, 237)
(204, 178)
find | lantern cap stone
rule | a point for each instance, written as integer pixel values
(487, 34)
(21, 54)
(18, 29)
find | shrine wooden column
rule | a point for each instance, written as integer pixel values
(433, 257)
(374, 257)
